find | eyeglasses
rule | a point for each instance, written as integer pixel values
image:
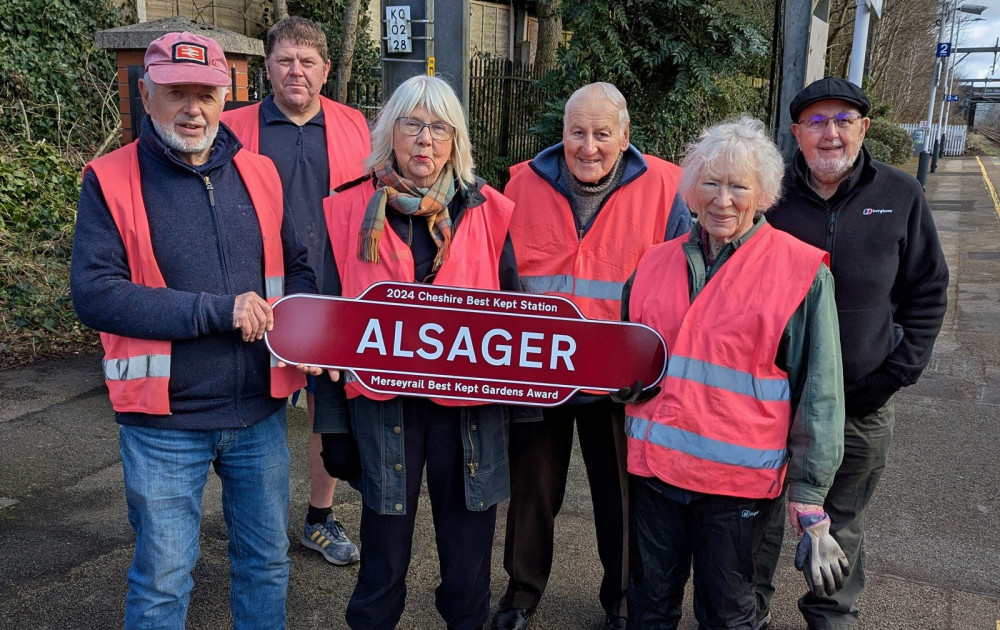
(413, 126)
(844, 120)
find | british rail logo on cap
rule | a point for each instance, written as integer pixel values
(190, 53)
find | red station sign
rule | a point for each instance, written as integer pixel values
(465, 344)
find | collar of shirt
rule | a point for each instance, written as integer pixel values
(272, 115)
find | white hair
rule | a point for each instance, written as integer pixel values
(600, 90)
(742, 147)
(437, 97)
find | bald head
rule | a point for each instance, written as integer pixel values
(601, 94)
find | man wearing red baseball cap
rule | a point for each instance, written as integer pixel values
(182, 243)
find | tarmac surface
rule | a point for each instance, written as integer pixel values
(932, 546)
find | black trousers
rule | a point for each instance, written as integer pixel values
(538, 484)
(673, 529)
(464, 538)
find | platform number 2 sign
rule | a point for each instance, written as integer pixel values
(397, 29)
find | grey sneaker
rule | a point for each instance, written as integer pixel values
(330, 540)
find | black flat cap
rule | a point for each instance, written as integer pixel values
(828, 89)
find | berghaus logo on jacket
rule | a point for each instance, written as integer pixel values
(868, 211)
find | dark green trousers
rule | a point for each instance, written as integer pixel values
(866, 446)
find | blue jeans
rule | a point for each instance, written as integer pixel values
(165, 474)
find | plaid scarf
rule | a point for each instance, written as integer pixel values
(400, 193)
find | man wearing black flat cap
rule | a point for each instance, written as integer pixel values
(891, 283)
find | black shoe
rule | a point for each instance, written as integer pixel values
(513, 618)
(615, 622)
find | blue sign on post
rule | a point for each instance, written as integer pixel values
(944, 49)
(951, 98)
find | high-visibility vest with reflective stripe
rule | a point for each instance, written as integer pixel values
(473, 259)
(347, 141)
(137, 371)
(553, 259)
(721, 420)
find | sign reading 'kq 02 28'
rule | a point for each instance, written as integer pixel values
(465, 344)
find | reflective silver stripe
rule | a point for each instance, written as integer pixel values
(763, 389)
(596, 289)
(705, 448)
(274, 361)
(636, 427)
(274, 287)
(547, 284)
(142, 366)
(599, 289)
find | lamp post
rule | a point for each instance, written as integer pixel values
(939, 143)
(942, 52)
(950, 76)
(925, 154)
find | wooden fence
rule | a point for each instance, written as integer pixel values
(954, 137)
(504, 102)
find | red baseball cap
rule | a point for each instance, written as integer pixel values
(187, 58)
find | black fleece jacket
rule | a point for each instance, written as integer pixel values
(210, 250)
(890, 273)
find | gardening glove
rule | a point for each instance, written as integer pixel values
(635, 394)
(819, 557)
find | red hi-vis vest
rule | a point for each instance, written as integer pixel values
(721, 420)
(553, 259)
(473, 259)
(137, 371)
(347, 139)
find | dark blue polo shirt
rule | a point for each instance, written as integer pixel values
(299, 154)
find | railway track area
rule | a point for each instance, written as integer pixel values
(990, 134)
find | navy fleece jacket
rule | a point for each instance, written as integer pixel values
(208, 253)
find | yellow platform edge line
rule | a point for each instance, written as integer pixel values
(996, 208)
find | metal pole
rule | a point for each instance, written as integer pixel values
(925, 154)
(856, 74)
(949, 76)
(939, 136)
(956, 30)
(938, 142)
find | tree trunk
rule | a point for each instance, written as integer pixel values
(348, 38)
(280, 9)
(549, 33)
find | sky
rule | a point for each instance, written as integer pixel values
(979, 34)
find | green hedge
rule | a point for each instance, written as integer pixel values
(39, 188)
(879, 150)
(892, 141)
(55, 83)
(58, 108)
